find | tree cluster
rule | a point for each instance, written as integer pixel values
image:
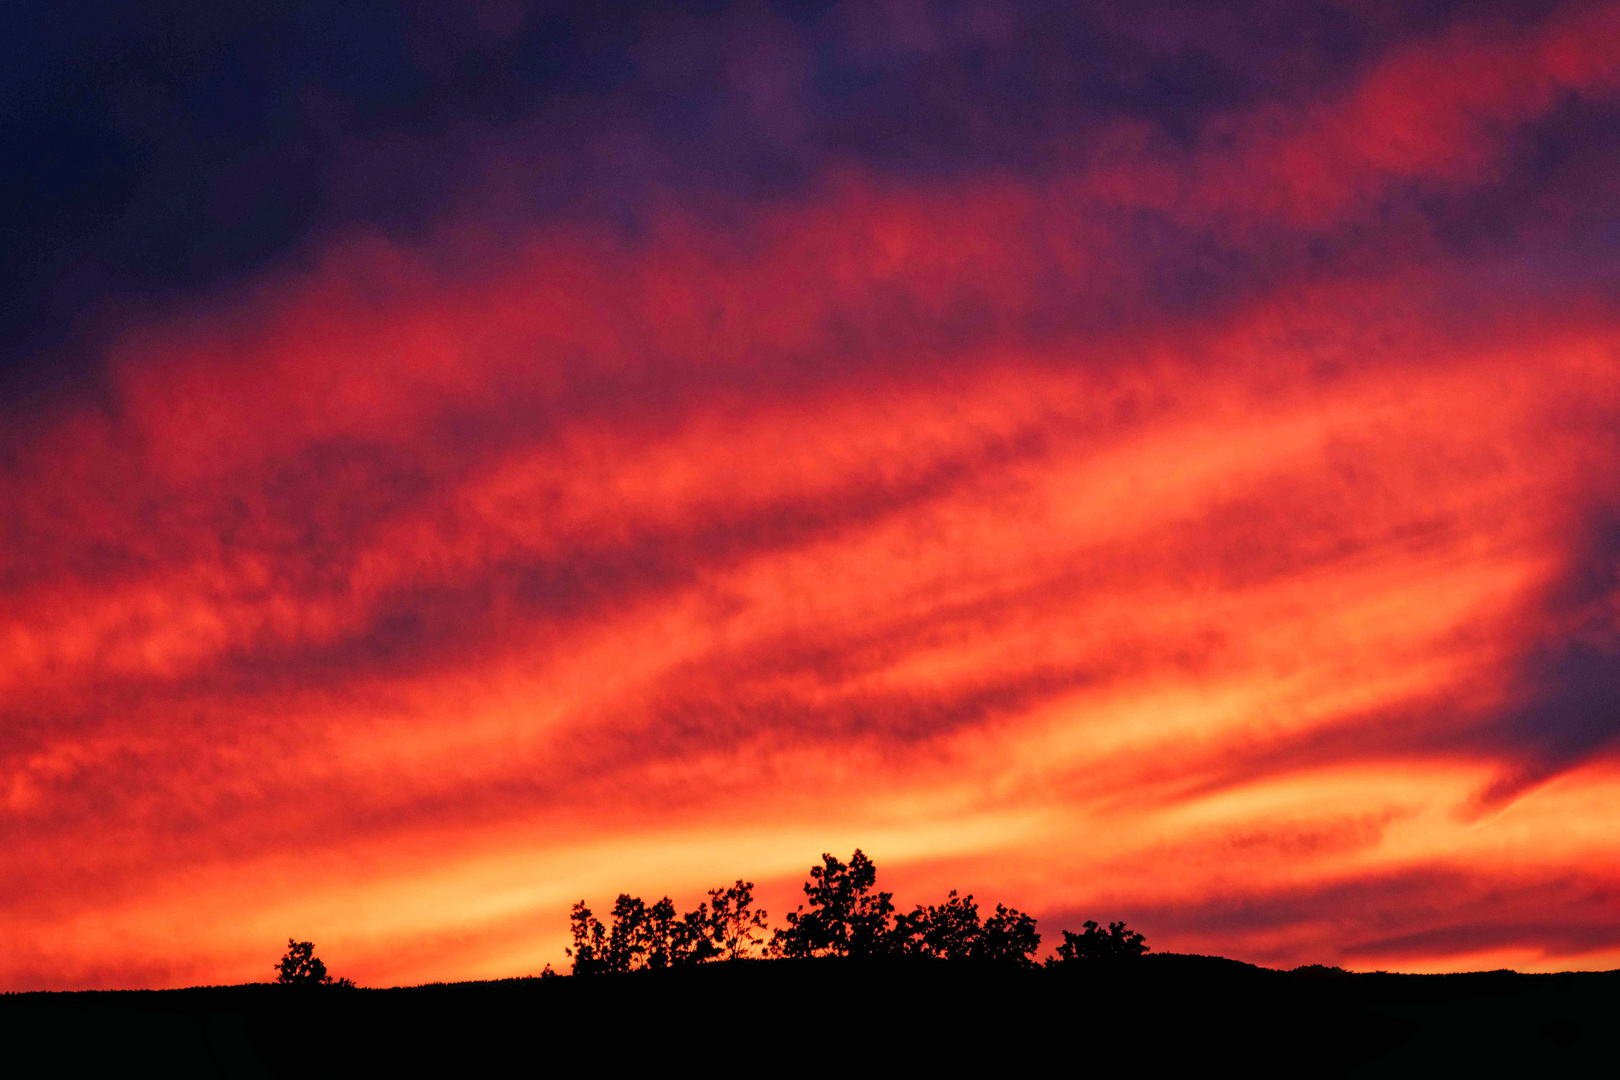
(726, 926)
(952, 931)
(845, 914)
(1097, 945)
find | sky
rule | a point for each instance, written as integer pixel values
(1139, 461)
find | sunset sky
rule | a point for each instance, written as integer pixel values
(1147, 461)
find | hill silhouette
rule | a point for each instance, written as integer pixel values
(866, 1015)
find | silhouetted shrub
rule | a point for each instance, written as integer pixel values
(1096, 945)
(1318, 971)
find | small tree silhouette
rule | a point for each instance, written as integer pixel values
(1096, 945)
(590, 941)
(676, 942)
(1010, 937)
(733, 920)
(660, 933)
(694, 936)
(846, 917)
(951, 930)
(301, 967)
(628, 940)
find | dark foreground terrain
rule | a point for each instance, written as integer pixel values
(842, 1018)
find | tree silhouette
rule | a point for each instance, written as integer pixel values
(1010, 937)
(953, 931)
(641, 936)
(694, 936)
(301, 967)
(663, 945)
(1096, 945)
(628, 940)
(590, 941)
(846, 917)
(733, 921)
(675, 942)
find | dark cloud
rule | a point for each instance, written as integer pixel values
(182, 145)
(185, 146)
(1569, 681)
